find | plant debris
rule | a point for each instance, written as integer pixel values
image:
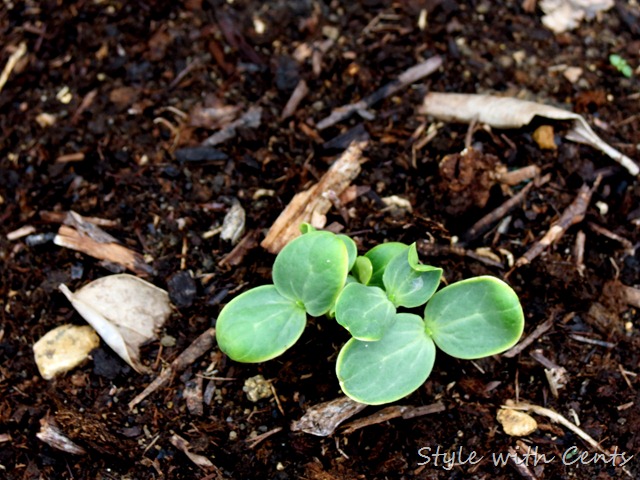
(127, 312)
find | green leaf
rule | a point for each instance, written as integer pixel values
(365, 311)
(259, 324)
(352, 249)
(389, 369)
(380, 256)
(475, 318)
(311, 270)
(306, 228)
(409, 283)
(362, 270)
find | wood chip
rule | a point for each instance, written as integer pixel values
(323, 419)
(112, 252)
(311, 205)
(199, 460)
(51, 434)
(193, 395)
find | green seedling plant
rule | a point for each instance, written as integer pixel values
(375, 297)
(621, 65)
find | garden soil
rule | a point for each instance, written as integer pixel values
(160, 118)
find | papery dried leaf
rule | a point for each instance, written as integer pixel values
(505, 112)
(125, 311)
(563, 15)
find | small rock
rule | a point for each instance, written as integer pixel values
(257, 388)
(543, 136)
(515, 423)
(182, 289)
(64, 348)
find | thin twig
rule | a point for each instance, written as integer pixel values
(199, 346)
(486, 222)
(572, 215)
(253, 442)
(410, 76)
(532, 337)
(557, 418)
(15, 57)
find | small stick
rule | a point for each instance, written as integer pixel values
(486, 222)
(572, 215)
(426, 248)
(520, 175)
(185, 71)
(86, 103)
(395, 411)
(297, 96)
(15, 57)
(250, 119)
(532, 337)
(578, 251)
(194, 351)
(112, 252)
(253, 442)
(593, 341)
(557, 418)
(628, 246)
(410, 76)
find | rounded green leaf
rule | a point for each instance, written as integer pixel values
(365, 311)
(362, 270)
(259, 324)
(352, 249)
(389, 369)
(409, 283)
(475, 318)
(380, 256)
(311, 270)
(306, 228)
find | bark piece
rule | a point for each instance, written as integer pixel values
(323, 419)
(52, 435)
(84, 236)
(183, 445)
(311, 205)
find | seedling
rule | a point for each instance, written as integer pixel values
(621, 65)
(391, 352)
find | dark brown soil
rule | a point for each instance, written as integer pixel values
(131, 68)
